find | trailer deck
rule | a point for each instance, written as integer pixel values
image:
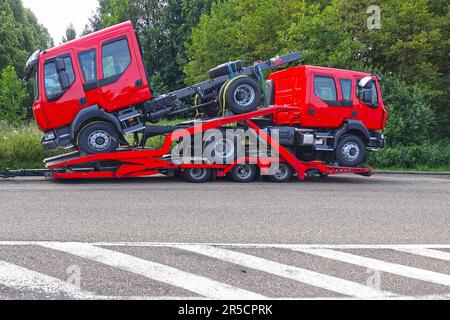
(144, 162)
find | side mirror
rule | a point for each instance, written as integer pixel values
(64, 80)
(365, 82)
(367, 96)
(60, 65)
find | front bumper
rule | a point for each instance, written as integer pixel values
(54, 139)
(377, 141)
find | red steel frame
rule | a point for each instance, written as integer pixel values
(142, 163)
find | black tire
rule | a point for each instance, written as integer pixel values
(283, 173)
(197, 175)
(242, 95)
(224, 69)
(244, 173)
(351, 151)
(270, 93)
(307, 154)
(98, 137)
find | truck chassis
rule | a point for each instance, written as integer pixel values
(141, 162)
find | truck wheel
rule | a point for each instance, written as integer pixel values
(242, 95)
(98, 137)
(197, 175)
(283, 173)
(220, 150)
(351, 151)
(243, 173)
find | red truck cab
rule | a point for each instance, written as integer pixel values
(326, 98)
(102, 73)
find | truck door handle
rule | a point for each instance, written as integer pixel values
(139, 83)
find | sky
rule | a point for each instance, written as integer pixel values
(56, 15)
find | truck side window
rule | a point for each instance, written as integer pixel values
(371, 86)
(346, 87)
(115, 58)
(325, 88)
(88, 65)
(53, 88)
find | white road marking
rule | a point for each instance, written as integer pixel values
(294, 273)
(398, 269)
(194, 283)
(429, 253)
(20, 278)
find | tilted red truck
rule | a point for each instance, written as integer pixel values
(93, 91)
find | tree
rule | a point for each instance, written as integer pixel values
(12, 96)
(237, 29)
(71, 34)
(163, 27)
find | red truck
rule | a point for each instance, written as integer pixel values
(93, 91)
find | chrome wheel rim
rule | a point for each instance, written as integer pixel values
(244, 95)
(99, 140)
(351, 151)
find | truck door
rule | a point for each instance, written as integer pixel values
(123, 83)
(371, 114)
(326, 106)
(61, 105)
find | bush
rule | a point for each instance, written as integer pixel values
(425, 156)
(21, 147)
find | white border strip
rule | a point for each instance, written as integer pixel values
(23, 279)
(241, 245)
(312, 278)
(375, 264)
(159, 272)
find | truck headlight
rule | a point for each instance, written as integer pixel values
(49, 136)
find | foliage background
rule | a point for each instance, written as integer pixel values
(183, 39)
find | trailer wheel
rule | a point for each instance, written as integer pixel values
(98, 137)
(242, 95)
(283, 173)
(244, 173)
(197, 175)
(351, 151)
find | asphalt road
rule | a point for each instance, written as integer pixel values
(128, 238)
(345, 209)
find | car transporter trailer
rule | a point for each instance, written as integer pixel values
(143, 162)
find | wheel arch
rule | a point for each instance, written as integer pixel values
(93, 113)
(355, 127)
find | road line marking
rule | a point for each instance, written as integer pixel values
(398, 269)
(429, 253)
(194, 283)
(23, 279)
(323, 281)
(242, 245)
